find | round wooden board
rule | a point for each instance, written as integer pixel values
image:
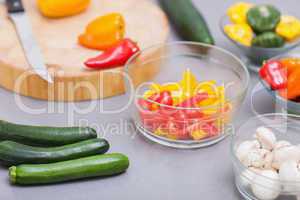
(57, 38)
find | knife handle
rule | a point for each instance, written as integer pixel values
(14, 6)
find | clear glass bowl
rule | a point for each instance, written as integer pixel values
(285, 127)
(291, 107)
(165, 63)
(256, 55)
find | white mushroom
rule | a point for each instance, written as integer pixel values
(255, 158)
(266, 138)
(268, 160)
(244, 148)
(285, 154)
(266, 185)
(288, 173)
(281, 144)
(248, 175)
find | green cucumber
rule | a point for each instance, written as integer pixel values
(13, 153)
(43, 135)
(187, 20)
(93, 166)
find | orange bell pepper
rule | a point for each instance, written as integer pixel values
(290, 64)
(293, 86)
(104, 32)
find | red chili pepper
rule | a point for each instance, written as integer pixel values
(274, 74)
(115, 56)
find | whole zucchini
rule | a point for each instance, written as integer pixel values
(43, 135)
(93, 166)
(13, 153)
(268, 40)
(187, 20)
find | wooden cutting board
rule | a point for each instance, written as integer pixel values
(145, 22)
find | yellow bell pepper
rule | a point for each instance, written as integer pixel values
(238, 12)
(104, 32)
(241, 33)
(288, 27)
(62, 8)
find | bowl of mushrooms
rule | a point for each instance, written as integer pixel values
(266, 157)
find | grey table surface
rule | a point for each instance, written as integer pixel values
(156, 172)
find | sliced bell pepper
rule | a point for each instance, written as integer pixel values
(202, 130)
(290, 64)
(193, 101)
(188, 84)
(274, 74)
(293, 85)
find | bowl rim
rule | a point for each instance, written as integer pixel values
(288, 45)
(234, 157)
(243, 90)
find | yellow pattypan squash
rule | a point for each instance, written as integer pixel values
(288, 27)
(241, 33)
(238, 12)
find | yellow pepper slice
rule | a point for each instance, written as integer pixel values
(160, 132)
(238, 12)
(288, 27)
(188, 84)
(199, 134)
(104, 32)
(62, 8)
(241, 33)
(211, 89)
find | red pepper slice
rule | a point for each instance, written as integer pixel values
(166, 98)
(115, 56)
(153, 118)
(193, 101)
(274, 74)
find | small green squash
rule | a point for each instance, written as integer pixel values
(268, 40)
(263, 18)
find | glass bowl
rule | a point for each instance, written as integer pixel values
(291, 107)
(285, 127)
(256, 55)
(170, 125)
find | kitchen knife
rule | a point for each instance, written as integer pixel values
(31, 49)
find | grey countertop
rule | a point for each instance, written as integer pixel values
(156, 172)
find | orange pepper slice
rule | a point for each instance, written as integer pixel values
(291, 64)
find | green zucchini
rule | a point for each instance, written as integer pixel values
(187, 20)
(13, 153)
(93, 166)
(43, 135)
(268, 40)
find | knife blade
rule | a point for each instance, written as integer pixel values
(31, 49)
